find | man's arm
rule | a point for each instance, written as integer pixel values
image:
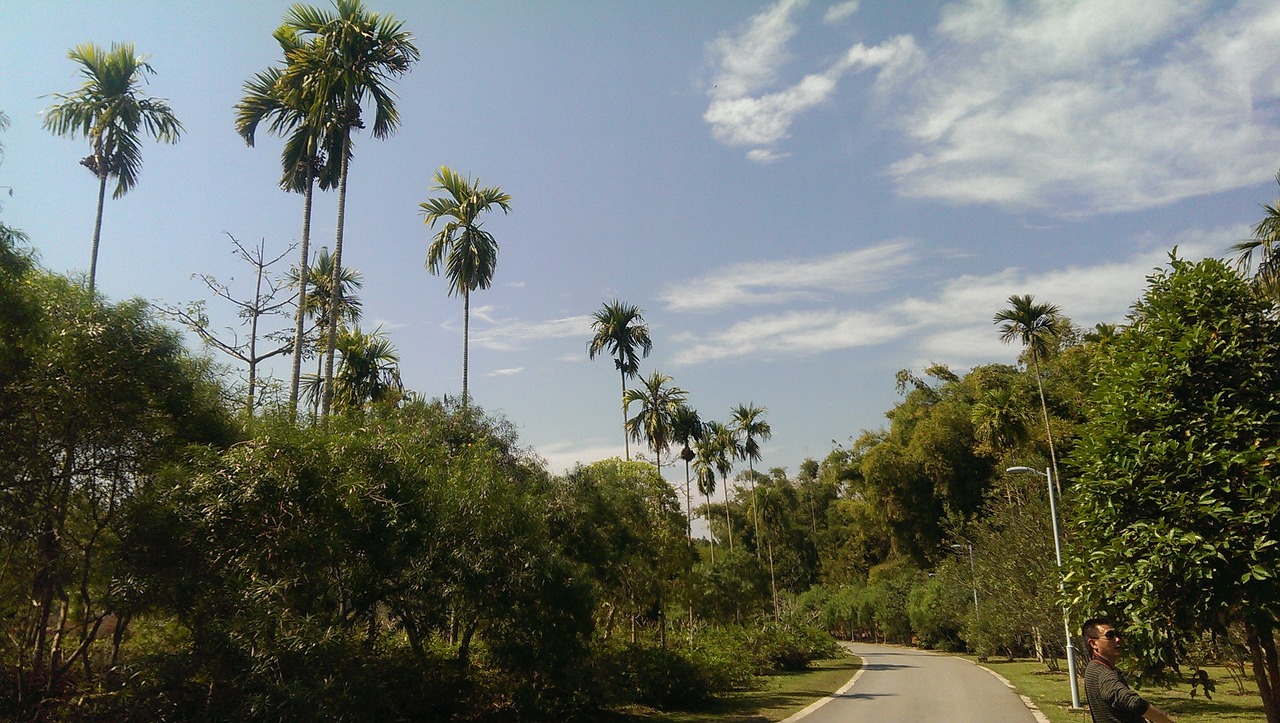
(1155, 715)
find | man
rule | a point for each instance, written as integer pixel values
(1111, 700)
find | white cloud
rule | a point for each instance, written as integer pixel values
(1095, 106)
(513, 335)
(951, 323)
(772, 282)
(840, 11)
(505, 372)
(797, 333)
(562, 456)
(741, 114)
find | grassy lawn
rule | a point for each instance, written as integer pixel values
(1052, 695)
(778, 695)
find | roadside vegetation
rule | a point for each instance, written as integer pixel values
(189, 540)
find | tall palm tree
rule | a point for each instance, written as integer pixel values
(748, 424)
(720, 447)
(335, 62)
(310, 141)
(653, 422)
(467, 253)
(620, 330)
(1036, 326)
(686, 428)
(111, 112)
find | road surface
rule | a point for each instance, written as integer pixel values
(904, 684)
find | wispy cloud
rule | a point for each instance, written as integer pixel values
(562, 456)
(773, 282)
(512, 335)
(792, 334)
(509, 372)
(840, 11)
(1095, 106)
(952, 322)
(742, 113)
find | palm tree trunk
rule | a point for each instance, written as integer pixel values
(304, 267)
(466, 339)
(97, 231)
(727, 519)
(755, 519)
(626, 441)
(1048, 432)
(713, 537)
(332, 342)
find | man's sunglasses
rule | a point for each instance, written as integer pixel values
(1109, 635)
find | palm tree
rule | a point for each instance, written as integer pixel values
(1266, 241)
(467, 253)
(999, 421)
(686, 427)
(705, 472)
(334, 63)
(369, 372)
(748, 424)
(316, 300)
(621, 331)
(658, 404)
(310, 141)
(111, 112)
(1037, 327)
(720, 448)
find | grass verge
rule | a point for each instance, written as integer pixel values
(777, 696)
(1052, 695)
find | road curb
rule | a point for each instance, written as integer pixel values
(1031, 706)
(862, 667)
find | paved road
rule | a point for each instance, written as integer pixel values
(904, 684)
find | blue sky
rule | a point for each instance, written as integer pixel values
(803, 197)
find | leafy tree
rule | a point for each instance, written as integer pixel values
(466, 252)
(310, 154)
(1178, 498)
(335, 62)
(110, 111)
(1035, 326)
(653, 422)
(620, 331)
(316, 299)
(95, 399)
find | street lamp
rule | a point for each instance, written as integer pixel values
(1057, 549)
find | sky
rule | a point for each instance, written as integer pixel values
(803, 197)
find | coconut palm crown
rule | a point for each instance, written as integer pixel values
(111, 112)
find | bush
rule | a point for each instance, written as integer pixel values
(663, 678)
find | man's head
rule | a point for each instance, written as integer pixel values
(1102, 639)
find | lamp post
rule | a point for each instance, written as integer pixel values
(1057, 549)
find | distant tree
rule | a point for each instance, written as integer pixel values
(335, 62)
(1178, 494)
(620, 330)
(686, 430)
(316, 299)
(1035, 326)
(466, 253)
(369, 372)
(652, 423)
(749, 425)
(720, 448)
(110, 111)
